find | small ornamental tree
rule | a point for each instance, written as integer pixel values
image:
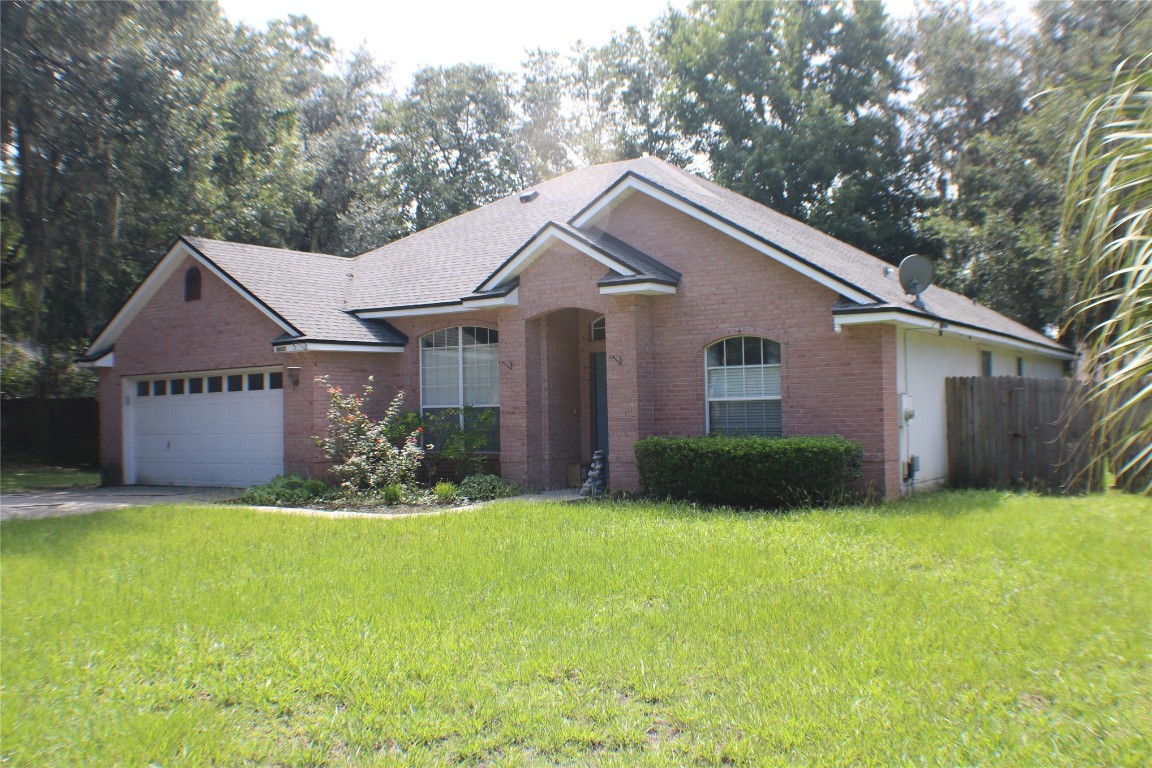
(364, 457)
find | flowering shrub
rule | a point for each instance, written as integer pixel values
(365, 458)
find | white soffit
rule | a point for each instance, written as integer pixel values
(107, 360)
(163, 270)
(646, 288)
(623, 189)
(331, 346)
(946, 327)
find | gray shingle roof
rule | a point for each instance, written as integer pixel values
(305, 289)
(446, 262)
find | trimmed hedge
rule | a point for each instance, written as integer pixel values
(762, 472)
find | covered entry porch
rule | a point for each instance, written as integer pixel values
(571, 383)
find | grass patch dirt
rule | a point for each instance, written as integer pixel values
(956, 629)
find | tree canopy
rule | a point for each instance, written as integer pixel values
(126, 124)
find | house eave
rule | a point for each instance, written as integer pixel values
(846, 317)
(638, 288)
(467, 304)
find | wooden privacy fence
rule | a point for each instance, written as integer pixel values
(63, 430)
(1009, 432)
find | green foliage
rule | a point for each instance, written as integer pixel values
(759, 472)
(52, 373)
(365, 456)
(794, 104)
(451, 143)
(1108, 224)
(288, 491)
(445, 492)
(462, 435)
(484, 487)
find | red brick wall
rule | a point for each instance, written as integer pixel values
(169, 335)
(842, 384)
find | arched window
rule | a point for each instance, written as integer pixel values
(192, 284)
(744, 387)
(596, 330)
(461, 367)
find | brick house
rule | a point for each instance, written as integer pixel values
(609, 304)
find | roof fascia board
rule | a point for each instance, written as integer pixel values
(160, 273)
(947, 327)
(511, 299)
(539, 243)
(631, 182)
(643, 288)
(323, 346)
(467, 304)
(107, 360)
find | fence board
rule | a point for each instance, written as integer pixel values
(64, 430)
(1011, 432)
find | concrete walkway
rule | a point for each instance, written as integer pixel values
(33, 505)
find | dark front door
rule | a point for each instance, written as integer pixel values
(599, 402)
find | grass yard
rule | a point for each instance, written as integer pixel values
(958, 629)
(20, 477)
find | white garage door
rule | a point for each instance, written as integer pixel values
(222, 428)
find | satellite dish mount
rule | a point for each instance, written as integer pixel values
(916, 274)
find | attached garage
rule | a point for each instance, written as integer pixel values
(215, 428)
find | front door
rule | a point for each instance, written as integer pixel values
(600, 402)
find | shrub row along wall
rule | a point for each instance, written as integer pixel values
(59, 430)
(748, 471)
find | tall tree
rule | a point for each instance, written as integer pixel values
(793, 103)
(123, 125)
(454, 143)
(994, 107)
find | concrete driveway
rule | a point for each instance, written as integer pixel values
(36, 504)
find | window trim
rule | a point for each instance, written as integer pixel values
(707, 368)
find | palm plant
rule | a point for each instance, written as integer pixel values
(1107, 225)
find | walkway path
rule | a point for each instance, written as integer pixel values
(33, 505)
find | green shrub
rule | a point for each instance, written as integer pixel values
(288, 491)
(484, 487)
(748, 471)
(445, 492)
(363, 450)
(394, 494)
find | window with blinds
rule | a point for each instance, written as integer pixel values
(743, 387)
(461, 367)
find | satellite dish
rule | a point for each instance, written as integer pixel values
(916, 273)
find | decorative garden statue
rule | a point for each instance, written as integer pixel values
(594, 485)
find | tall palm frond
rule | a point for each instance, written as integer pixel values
(1107, 223)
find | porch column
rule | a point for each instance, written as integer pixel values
(630, 386)
(514, 398)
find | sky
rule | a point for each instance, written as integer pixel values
(409, 34)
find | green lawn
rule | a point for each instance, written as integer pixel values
(959, 629)
(15, 478)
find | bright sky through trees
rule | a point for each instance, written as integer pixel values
(497, 32)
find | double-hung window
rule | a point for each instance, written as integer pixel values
(460, 367)
(744, 387)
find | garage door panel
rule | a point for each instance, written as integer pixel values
(207, 438)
